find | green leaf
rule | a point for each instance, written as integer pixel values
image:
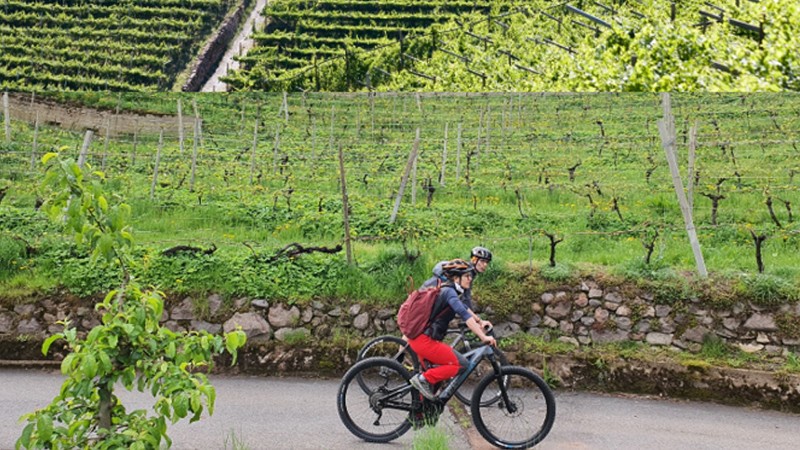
(92, 336)
(103, 203)
(181, 405)
(170, 350)
(48, 156)
(67, 363)
(89, 366)
(49, 341)
(211, 396)
(44, 425)
(24, 441)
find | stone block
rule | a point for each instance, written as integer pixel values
(659, 338)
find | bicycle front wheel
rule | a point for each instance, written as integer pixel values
(522, 416)
(465, 391)
(374, 400)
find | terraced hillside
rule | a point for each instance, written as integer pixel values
(301, 33)
(535, 45)
(132, 45)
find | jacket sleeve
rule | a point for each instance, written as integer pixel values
(456, 304)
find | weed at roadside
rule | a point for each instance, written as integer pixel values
(432, 437)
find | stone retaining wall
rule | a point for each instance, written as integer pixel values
(214, 50)
(583, 315)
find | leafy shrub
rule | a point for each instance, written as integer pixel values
(303, 277)
(84, 279)
(322, 225)
(26, 222)
(187, 272)
(259, 216)
(11, 252)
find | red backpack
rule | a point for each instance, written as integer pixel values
(417, 312)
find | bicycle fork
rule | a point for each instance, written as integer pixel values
(510, 406)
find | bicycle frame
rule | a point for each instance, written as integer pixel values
(461, 330)
(473, 356)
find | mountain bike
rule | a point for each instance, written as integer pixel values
(511, 406)
(460, 338)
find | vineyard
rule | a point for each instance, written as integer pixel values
(547, 181)
(581, 45)
(409, 45)
(125, 45)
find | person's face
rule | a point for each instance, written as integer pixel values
(481, 265)
(466, 280)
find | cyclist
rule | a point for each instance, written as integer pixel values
(429, 345)
(480, 257)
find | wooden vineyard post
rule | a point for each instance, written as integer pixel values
(105, 145)
(285, 108)
(255, 145)
(458, 154)
(313, 143)
(333, 116)
(444, 154)
(487, 131)
(195, 143)
(372, 113)
(155, 166)
(666, 128)
(87, 140)
(241, 119)
(478, 140)
(35, 147)
(414, 180)
(135, 145)
(275, 148)
(411, 158)
(180, 127)
(690, 168)
(345, 209)
(6, 117)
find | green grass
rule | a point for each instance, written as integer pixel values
(792, 363)
(431, 437)
(234, 441)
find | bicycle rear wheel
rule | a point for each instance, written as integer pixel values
(393, 347)
(374, 400)
(524, 413)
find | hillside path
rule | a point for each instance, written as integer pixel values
(239, 46)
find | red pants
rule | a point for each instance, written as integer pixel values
(436, 352)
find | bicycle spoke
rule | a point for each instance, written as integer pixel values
(375, 399)
(519, 419)
(389, 347)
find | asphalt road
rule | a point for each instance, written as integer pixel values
(298, 413)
